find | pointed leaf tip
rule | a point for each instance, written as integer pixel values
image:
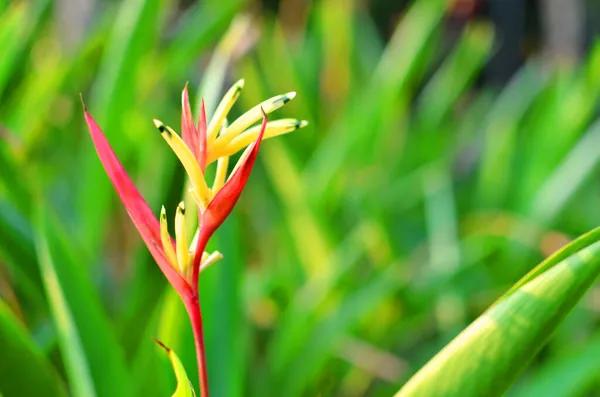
(161, 344)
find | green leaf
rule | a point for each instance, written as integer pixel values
(488, 356)
(24, 371)
(93, 359)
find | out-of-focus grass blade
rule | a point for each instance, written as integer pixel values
(572, 374)
(115, 93)
(395, 70)
(567, 110)
(201, 26)
(325, 338)
(223, 311)
(496, 348)
(238, 35)
(12, 185)
(444, 247)
(18, 255)
(12, 32)
(568, 177)
(306, 229)
(93, 358)
(40, 88)
(500, 133)
(20, 21)
(336, 33)
(454, 77)
(24, 371)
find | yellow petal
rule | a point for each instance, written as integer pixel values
(255, 114)
(181, 238)
(202, 204)
(223, 109)
(274, 128)
(187, 159)
(220, 175)
(166, 239)
(210, 260)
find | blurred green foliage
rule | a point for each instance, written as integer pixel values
(362, 245)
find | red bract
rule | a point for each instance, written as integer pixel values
(137, 208)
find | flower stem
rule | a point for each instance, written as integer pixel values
(192, 305)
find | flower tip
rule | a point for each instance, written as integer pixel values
(289, 96)
(240, 84)
(181, 207)
(301, 124)
(82, 102)
(159, 125)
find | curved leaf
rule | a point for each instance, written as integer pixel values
(184, 386)
(488, 356)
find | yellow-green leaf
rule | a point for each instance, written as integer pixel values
(490, 354)
(184, 386)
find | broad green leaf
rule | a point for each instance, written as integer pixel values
(488, 356)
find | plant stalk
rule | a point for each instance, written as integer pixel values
(192, 305)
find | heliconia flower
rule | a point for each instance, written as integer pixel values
(197, 147)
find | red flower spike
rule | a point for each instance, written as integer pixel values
(196, 148)
(222, 204)
(137, 208)
(189, 133)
